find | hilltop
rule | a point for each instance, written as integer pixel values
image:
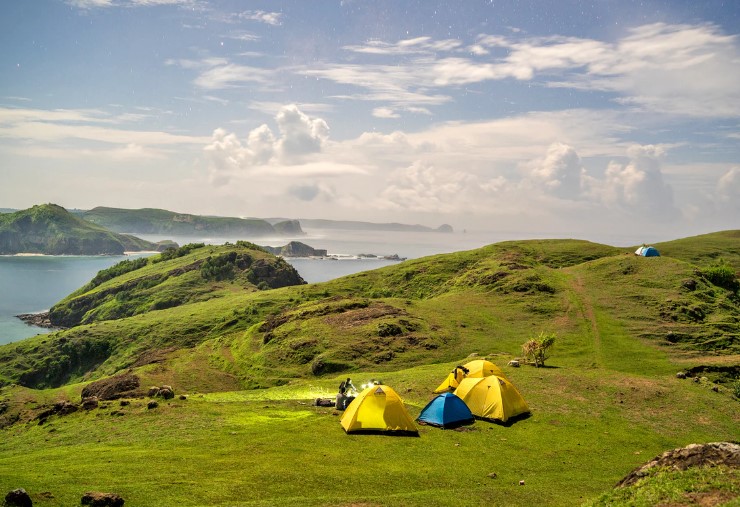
(608, 399)
(50, 229)
(158, 221)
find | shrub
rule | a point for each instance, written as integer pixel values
(537, 350)
(389, 329)
(722, 275)
(173, 253)
(735, 386)
(218, 268)
(118, 269)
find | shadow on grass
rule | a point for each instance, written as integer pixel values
(509, 422)
(384, 433)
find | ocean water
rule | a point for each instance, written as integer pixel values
(30, 284)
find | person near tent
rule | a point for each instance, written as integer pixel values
(341, 398)
(349, 386)
(461, 371)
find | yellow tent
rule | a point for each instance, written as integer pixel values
(451, 382)
(492, 397)
(377, 408)
(476, 369)
(481, 368)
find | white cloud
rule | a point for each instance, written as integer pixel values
(264, 153)
(677, 69)
(90, 4)
(422, 188)
(269, 18)
(559, 173)
(301, 135)
(44, 126)
(638, 187)
(728, 190)
(231, 75)
(385, 112)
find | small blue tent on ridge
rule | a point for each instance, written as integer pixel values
(446, 411)
(647, 251)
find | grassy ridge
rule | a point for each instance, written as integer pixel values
(608, 401)
(159, 221)
(52, 230)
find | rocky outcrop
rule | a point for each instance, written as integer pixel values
(113, 388)
(296, 249)
(18, 498)
(165, 392)
(41, 319)
(99, 499)
(712, 454)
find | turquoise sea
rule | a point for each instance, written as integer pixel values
(30, 284)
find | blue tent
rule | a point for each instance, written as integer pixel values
(446, 411)
(647, 251)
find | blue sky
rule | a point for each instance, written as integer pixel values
(563, 118)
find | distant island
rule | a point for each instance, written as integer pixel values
(163, 222)
(159, 221)
(50, 229)
(298, 249)
(367, 226)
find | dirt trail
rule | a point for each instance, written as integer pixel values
(587, 310)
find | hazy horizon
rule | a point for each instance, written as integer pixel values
(538, 118)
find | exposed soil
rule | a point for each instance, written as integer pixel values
(361, 316)
(153, 356)
(112, 388)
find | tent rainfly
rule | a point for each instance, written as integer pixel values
(378, 408)
(493, 398)
(446, 411)
(647, 251)
(475, 369)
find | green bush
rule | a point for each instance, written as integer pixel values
(735, 387)
(219, 268)
(173, 253)
(121, 268)
(537, 350)
(722, 275)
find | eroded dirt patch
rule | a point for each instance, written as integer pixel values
(361, 316)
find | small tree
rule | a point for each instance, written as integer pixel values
(537, 350)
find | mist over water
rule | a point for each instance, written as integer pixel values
(30, 284)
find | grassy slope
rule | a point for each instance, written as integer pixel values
(171, 306)
(158, 221)
(608, 401)
(50, 229)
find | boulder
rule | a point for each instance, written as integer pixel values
(153, 391)
(711, 454)
(18, 498)
(98, 499)
(90, 403)
(152, 404)
(113, 388)
(166, 392)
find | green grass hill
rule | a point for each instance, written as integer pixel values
(158, 221)
(50, 229)
(252, 362)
